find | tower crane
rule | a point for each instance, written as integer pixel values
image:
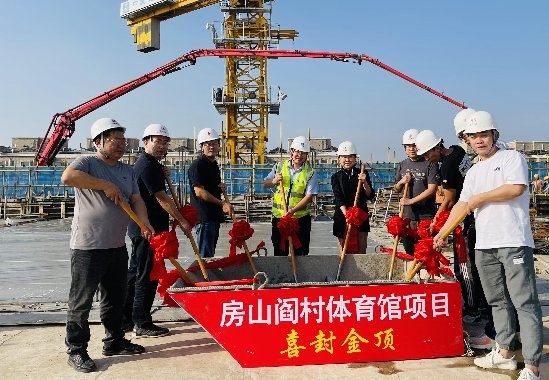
(245, 99)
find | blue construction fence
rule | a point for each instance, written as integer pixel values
(32, 181)
(249, 180)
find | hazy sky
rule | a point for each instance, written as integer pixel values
(492, 54)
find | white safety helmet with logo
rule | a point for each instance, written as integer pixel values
(426, 140)
(104, 124)
(205, 135)
(409, 137)
(346, 148)
(460, 120)
(301, 143)
(481, 121)
(155, 130)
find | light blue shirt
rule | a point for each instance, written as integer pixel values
(312, 184)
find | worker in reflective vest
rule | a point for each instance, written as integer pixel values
(300, 186)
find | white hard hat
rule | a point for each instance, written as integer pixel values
(461, 119)
(480, 121)
(104, 124)
(409, 137)
(156, 130)
(206, 134)
(346, 148)
(426, 140)
(301, 143)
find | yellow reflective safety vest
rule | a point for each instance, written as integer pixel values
(294, 190)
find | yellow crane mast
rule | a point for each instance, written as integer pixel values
(246, 98)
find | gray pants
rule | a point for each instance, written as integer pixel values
(508, 279)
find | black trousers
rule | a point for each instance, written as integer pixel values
(304, 235)
(141, 290)
(90, 269)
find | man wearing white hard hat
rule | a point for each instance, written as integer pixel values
(496, 191)
(151, 176)
(454, 164)
(423, 179)
(300, 186)
(206, 189)
(99, 257)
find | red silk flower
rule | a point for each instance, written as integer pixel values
(190, 213)
(423, 228)
(288, 227)
(240, 232)
(356, 216)
(461, 246)
(431, 258)
(165, 245)
(164, 283)
(397, 226)
(442, 217)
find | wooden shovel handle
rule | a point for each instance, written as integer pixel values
(189, 235)
(126, 207)
(397, 238)
(233, 216)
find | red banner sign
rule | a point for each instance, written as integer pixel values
(331, 324)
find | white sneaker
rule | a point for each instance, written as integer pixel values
(495, 360)
(527, 374)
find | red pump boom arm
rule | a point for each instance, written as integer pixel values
(63, 124)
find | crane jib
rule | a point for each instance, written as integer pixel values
(62, 124)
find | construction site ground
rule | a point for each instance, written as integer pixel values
(34, 281)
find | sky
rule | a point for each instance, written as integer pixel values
(492, 55)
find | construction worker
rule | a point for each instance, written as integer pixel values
(496, 190)
(537, 184)
(344, 186)
(423, 179)
(545, 188)
(206, 189)
(300, 185)
(160, 206)
(454, 164)
(99, 257)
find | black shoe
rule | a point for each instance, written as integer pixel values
(123, 347)
(81, 361)
(150, 330)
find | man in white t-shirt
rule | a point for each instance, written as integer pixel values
(496, 190)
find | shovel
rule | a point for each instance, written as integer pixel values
(143, 227)
(189, 235)
(416, 265)
(290, 242)
(233, 216)
(397, 238)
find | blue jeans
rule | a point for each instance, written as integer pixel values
(141, 290)
(508, 279)
(207, 234)
(106, 269)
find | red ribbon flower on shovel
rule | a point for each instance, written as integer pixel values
(355, 217)
(240, 232)
(164, 284)
(431, 258)
(288, 227)
(397, 226)
(165, 245)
